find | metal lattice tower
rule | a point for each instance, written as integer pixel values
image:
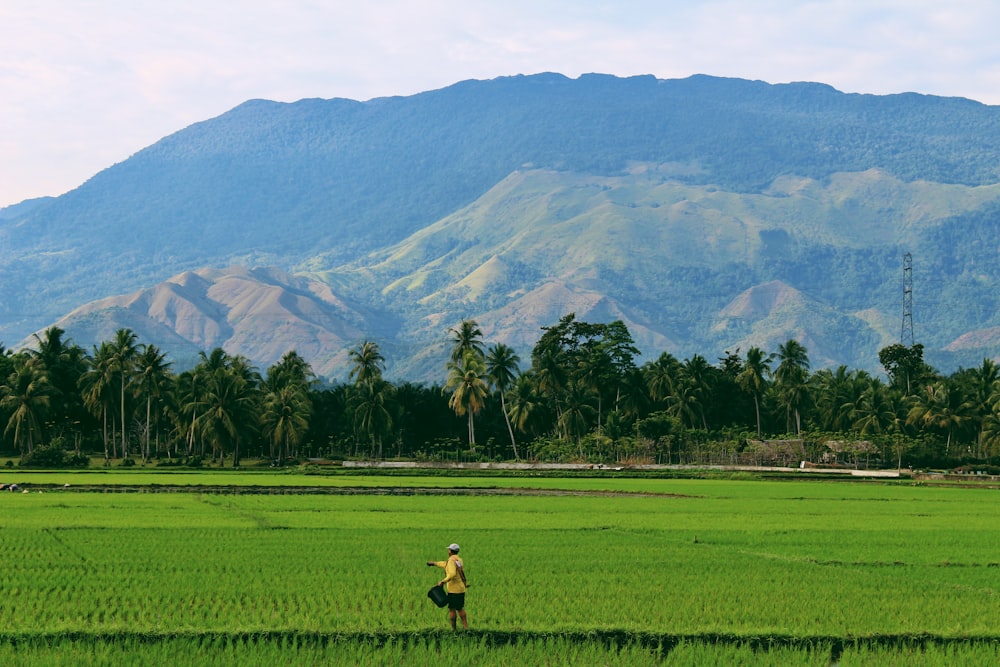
(906, 333)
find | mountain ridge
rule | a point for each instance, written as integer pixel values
(519, 199)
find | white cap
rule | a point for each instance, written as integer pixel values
(453, 547)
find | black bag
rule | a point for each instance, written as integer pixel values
(438, 596)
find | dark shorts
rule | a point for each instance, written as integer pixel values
(456, 601)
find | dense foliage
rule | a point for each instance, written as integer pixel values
(582, 398)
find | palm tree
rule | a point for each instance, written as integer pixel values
(695, 387)
(189, 394)
(26, 396)
(753, 378)
(368, 363)
(285, 419)
(878, 411)
(372, 413)
(64, 363)
(838, 397)
(467, 337)
(230, 403)
(524, 403)
(97, 386)
(790, 377)
(941, 405)
(550, 380)
(152, 376)
(370, 391)
(286, 404)
(467, 383)
(981, 385)
(502, 370)
(661, 376)
(291, 369)
(123, 353)
(577, 412)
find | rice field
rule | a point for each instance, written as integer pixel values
(574, 571)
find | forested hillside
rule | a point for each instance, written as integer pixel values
(668, 202)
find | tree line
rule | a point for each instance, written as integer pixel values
(581, 396)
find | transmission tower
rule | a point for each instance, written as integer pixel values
(906, 333)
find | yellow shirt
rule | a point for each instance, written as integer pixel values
(453, 582)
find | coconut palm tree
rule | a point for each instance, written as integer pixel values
(577, 412)
(152, 378)
(368, 363)
(980, 384)
(838, 397)
(501, 370)
(879, 409)
(941, 405)
(753, 378)
(468, 387)
(230, 407)
(372, 411)
(791, 377)
(287, 407)
(97, 387)
(27, 397)
(467, 337)
(123, 353)
(285, 419)
(524, 402)
(661, 377)
(64, 363)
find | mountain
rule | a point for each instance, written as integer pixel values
(706, 213)
(200, 310)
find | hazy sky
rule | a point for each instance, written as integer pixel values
(87, 83)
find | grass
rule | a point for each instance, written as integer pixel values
(640, 568)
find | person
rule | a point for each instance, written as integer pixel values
(454, 584)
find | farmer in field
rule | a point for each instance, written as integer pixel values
(454, 584)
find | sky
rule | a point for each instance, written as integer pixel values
(84, 84)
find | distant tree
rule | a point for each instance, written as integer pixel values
(64, 363)
(98, 391)
(661, 377)
(230, 405)
(502, 370)
(286, 406)
(152, 376)
(368, 363)
(940, 406)
(879, 410)
(466, 337)
(27, 397)
(753, 378)
(373, 411)
(525, 403)
(791, 377)
(468, 387)
(123, 352)
(904, 365)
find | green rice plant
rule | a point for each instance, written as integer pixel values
(685, 557)
(949, 654)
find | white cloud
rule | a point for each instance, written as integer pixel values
(85, 84)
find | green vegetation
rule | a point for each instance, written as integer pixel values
(757, 572)
(584, 399)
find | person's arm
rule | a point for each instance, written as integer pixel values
(450, 573)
